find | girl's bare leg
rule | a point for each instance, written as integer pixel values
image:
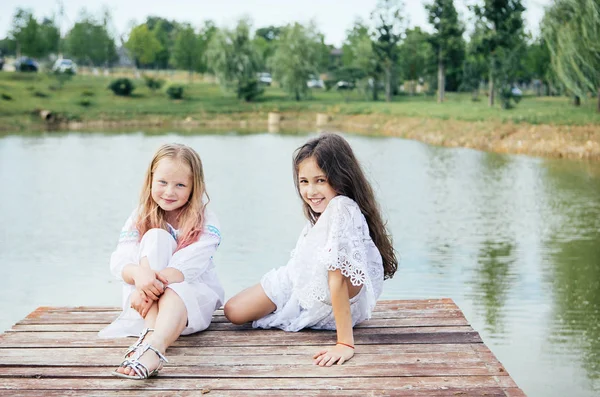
(249, 305)
(168, 317)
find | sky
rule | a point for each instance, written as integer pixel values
(333, 17)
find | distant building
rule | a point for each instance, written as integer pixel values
(124, 58)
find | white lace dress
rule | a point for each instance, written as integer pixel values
(201, 291)
(338, 240)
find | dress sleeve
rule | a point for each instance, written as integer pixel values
(345, 247)
(127, 248)
(196, 258)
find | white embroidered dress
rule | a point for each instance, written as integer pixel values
(200, 291)
(300, 290)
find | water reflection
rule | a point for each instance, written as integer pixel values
(574, 264)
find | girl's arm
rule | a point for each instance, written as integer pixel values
(191, 262)
(340, 301)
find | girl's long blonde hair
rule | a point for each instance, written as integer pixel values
(191, 215)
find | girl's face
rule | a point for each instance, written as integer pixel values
(171, 184)
(314, 187)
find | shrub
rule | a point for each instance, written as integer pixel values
(122, 87)
(40, 94)
(153, 83)
(85, 102)
(6, 96)
(249, 90)
(175, 91)
(88, 93)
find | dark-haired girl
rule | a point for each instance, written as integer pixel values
(335, 274)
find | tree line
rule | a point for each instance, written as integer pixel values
(378, 53)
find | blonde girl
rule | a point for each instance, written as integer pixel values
(335, 274)
(164, 260)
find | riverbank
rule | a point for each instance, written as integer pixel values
(541, 126)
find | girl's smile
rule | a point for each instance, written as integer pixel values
(314, 187)
(171, 184)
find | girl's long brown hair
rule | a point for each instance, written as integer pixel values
(191, 216)
(335, 157)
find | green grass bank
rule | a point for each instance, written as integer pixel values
(547, 126)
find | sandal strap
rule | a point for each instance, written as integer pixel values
(138, 342)
(140, 369)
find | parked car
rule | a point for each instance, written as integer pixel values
(265, 78)
(344, 85)
(515, 91)
(314, 82)
(64, 65)
(25, 64)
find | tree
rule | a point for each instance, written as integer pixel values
(204, 37)
(32, 38)
(358, 52)
(143, 44)
(447, 37)
(296, 58)
(500, 23)
(389, 29)
(416, 56)
(89, 42)
(165, 32)
(186, 52)
(537, 63)
(571, 29)
(235, 61)
(474, 68)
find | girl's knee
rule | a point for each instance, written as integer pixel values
(234, 311)
(157, 234)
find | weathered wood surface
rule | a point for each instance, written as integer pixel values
(409, 348)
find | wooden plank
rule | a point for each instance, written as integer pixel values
(307, 370)
(448, 392)
(197, 356)
(101, 317)
(265, 384)
(407, 348)
(225, 326)
(264, 338)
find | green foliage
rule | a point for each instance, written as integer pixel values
(122, 87)
(6, 97)
(296, 58)
(153, 83)
(187, 53)
(89, 43)
(175, 91)
(389, 29)
(507, 97)
(417, 57)
(88, 93)
(34, 39)
(571, 29)
(85, 102)
(234, 60)
(165, 32)
(143, 45)
(500, 38)
(447, 41)
(40, 94)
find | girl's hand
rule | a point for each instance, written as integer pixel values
(331, 355)
(141, 303)
(150, 282)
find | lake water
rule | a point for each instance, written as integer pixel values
(514, 240)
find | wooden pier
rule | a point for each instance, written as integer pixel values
(408, 348)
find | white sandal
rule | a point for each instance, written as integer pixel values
(141, 371)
